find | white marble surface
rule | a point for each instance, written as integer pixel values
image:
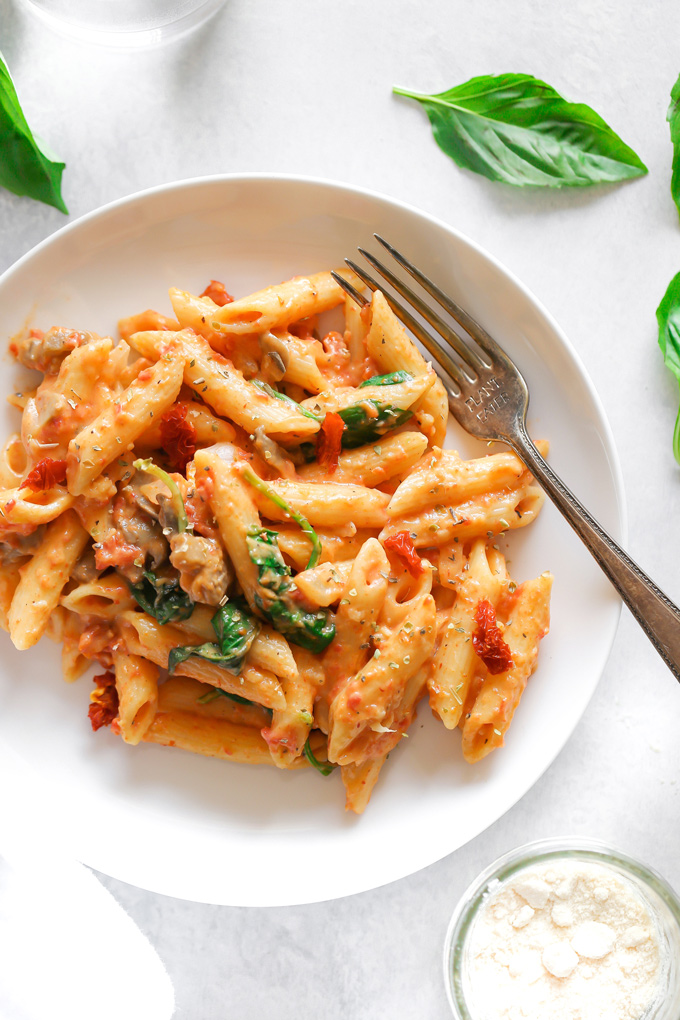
(304, 87)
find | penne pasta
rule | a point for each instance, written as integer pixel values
(119, 425)
(371, 465)
(216, 381)
(485, 725)
(137, 687)
(365, 720)
(455, 662)
(208, 428)
(359, 781)
(324, 585)
(245, 516)
(391, 347)
(106, 597)
(489, 514)
(326, 503)
(43, 577)
(278, 306)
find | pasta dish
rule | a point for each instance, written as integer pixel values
(250, 524)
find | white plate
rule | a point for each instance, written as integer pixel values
(206, 830)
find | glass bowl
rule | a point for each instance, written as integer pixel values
(659, 898)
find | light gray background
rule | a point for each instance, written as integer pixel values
(304, 87)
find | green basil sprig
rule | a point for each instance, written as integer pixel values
(668, 319)
(27, 167)
(235, 630)
(516, 129)
(162, 598)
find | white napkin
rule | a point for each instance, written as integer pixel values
(68, 950)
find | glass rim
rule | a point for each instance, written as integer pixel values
(538, 852)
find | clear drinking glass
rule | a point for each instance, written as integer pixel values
(661, 901)
(124, 23)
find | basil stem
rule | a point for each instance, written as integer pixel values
(176, 500)
(270, 391)
(278, 501)
(324, 767)
(516, 129)
(27, 167)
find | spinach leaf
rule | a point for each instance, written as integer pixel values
(673, 118)
(176, 501)
(278, 501)
(387, 380)
(266, 388)
(362, 428)
(27, 167)
(162, 598)
(217, 691)
(516, 129)
(235, 630)
(275, 596)
(324, 767)
(209, 651)
(668, 319)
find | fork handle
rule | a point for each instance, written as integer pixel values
(654, 611)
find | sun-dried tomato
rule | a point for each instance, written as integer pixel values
(402, 545)
(329, 441)
(178, 436)
(45, 475)
(218, 293)
(488, 641)
(103, 701)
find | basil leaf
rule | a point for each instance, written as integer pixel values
(518, 130)
(362, 427)
(27, 167)
(387, 380)
(668, 318)
(274, 596)
(324, 767)
(673, 118)
(162, 598)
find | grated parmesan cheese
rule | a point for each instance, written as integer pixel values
(565, 940)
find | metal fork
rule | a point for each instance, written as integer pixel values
(489, 398)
